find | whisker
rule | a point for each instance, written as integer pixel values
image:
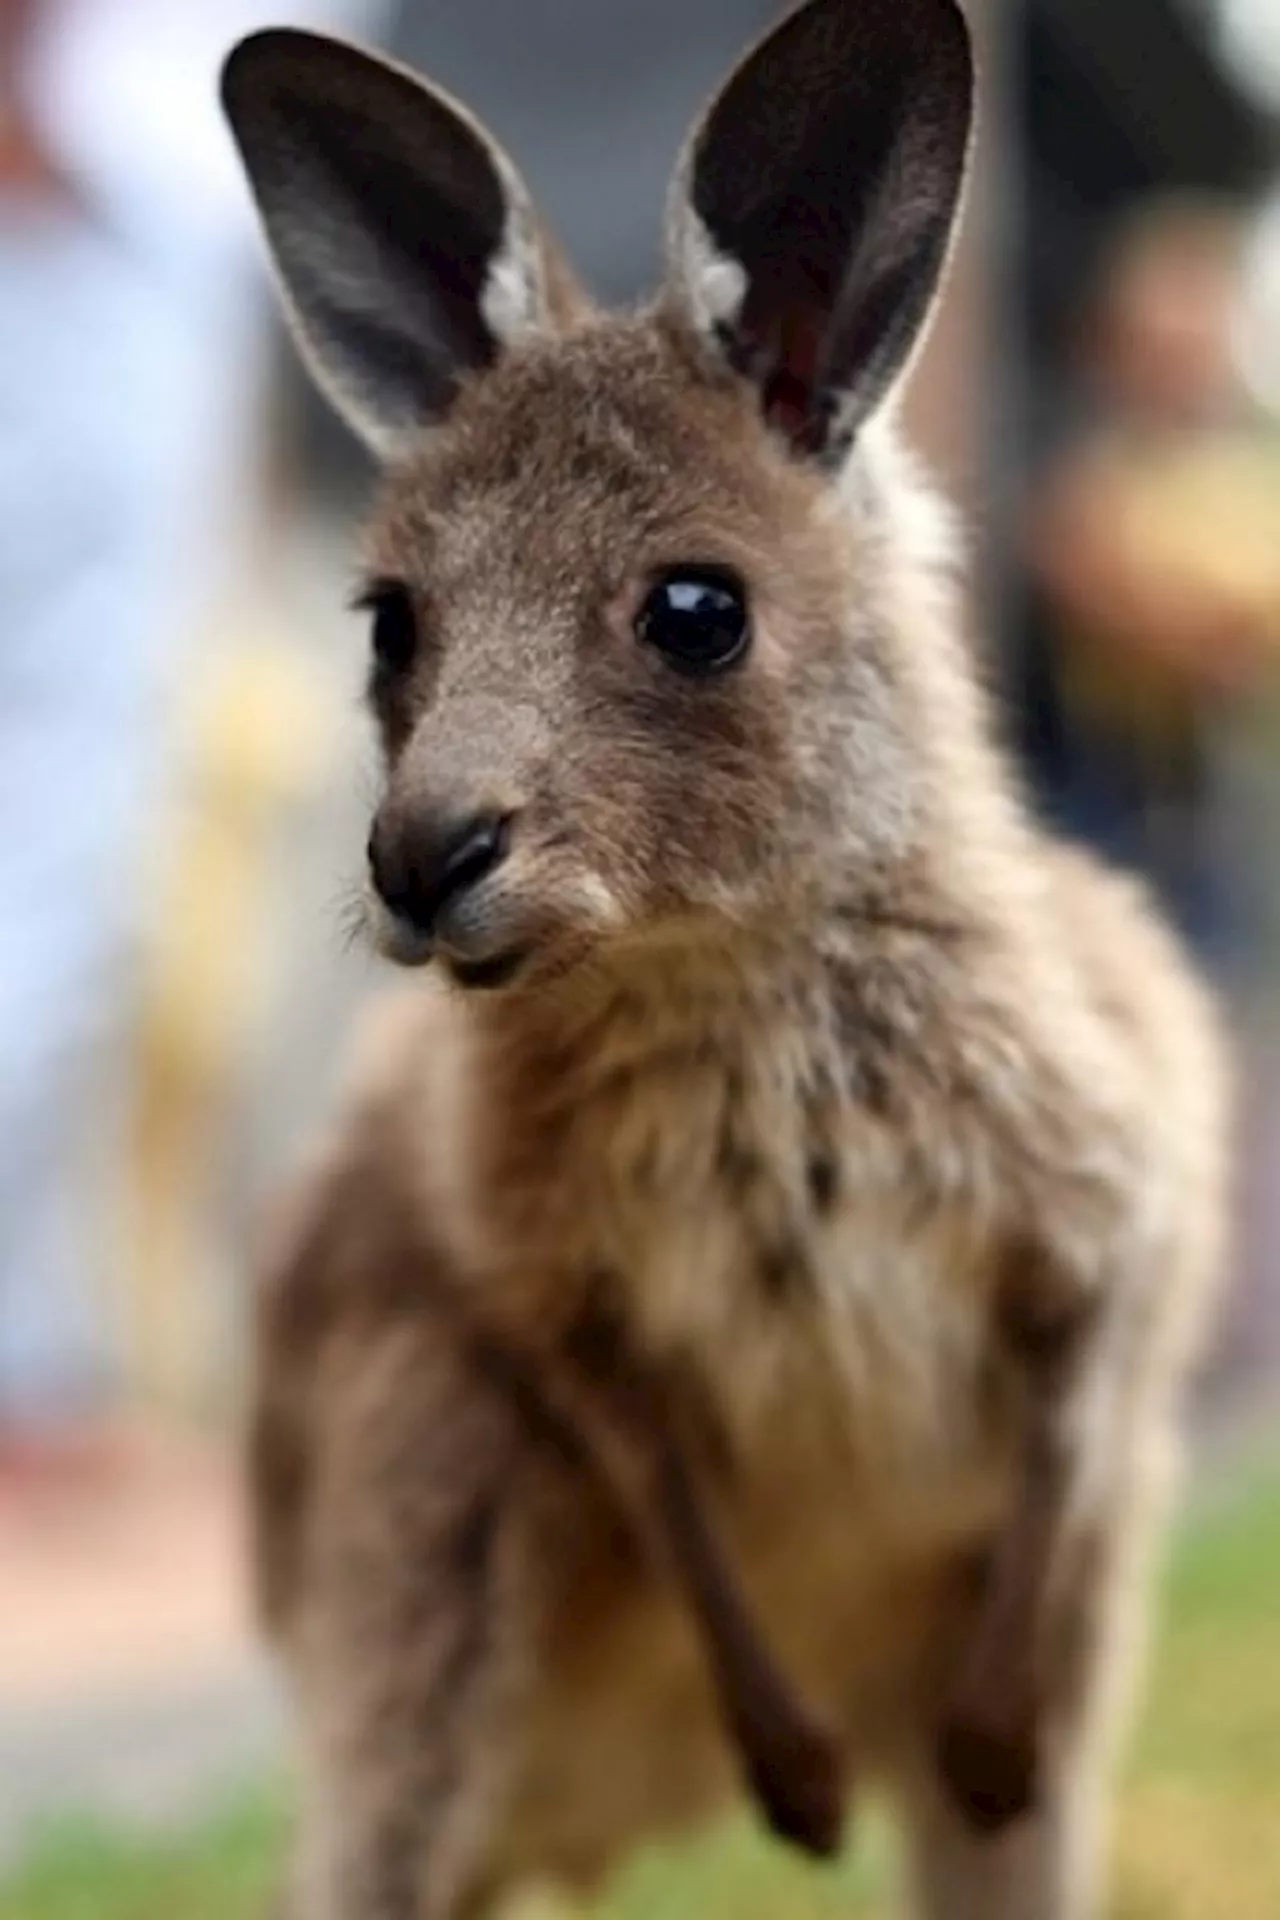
(351, 914)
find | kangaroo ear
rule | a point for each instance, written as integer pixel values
(812, 212)
(407, 248)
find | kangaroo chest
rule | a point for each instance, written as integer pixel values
(747, 1215)
(756, 1225)
(782, 1252)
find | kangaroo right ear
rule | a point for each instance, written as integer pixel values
(812, 212)
(407, 247)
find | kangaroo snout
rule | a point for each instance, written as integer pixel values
(425, 869)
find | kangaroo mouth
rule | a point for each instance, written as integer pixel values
(406, 946)
(485, 976)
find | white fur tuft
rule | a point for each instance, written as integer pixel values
(713, 284)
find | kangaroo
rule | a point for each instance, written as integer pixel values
(736, 1324)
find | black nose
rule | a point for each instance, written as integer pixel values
(421, 869)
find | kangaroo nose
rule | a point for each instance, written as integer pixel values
(422, 869)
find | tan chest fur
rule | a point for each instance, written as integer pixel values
(753, 1222)
(686, 1147)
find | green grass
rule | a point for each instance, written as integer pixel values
(1199, 1833)
(78, 1872)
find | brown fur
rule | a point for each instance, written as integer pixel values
(885, 1132)
(982, 1046)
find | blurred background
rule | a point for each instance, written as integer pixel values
(184, 773)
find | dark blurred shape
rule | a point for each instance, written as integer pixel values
(1113, 103)
(1116, 110)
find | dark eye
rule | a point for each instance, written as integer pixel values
(395, 626)
(697, 619)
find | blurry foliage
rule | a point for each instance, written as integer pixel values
(82, 1873)
(1199, 1837)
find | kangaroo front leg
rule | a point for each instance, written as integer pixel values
(1032, 1737)
(1032, 1662)
(623, 1420)
(1037, 1734)
(792, 1761)
(628, 1415)
(989, 1748)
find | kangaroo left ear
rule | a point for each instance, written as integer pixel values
(811, 216)
(407, 247)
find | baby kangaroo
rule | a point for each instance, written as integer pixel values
(738, 1321)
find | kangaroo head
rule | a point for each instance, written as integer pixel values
(635, 647)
